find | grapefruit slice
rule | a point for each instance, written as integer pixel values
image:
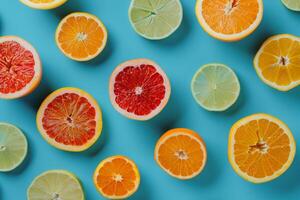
(261, 148)
(70, 119)
(117, 177)
(43, 4)
(139, 89)
(181, 153)
(20, 67)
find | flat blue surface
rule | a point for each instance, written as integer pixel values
(180, 56)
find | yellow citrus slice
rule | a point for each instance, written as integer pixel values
(81, 36)
(229, 20)
(277, 62)
(181, 153)
(43, 4)
(261, 148)
(117, 177)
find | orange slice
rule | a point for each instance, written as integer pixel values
(229, 20)
(43, 4)
(261, 148)
(81, 36)
(181, 153)
(117, 177)
(277, 62)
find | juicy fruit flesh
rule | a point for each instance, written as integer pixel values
(292, 4)
(42, 1)
(230, 16)
(16, 67)
(70, 119)
(139, 89)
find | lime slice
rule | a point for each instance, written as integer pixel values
(292, 4)
(55, 185)
(155, 19)
(13, 147)
(215, 87)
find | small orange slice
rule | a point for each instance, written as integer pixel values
(81, 36)
(117, 177)
(181, 153)
(277, 62)
(43, 4)
(261, 148)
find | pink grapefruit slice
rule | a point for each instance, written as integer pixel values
(20, 67)
(70, 119)
(139, 89)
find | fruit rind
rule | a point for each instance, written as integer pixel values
(43, 6)
(289, 7)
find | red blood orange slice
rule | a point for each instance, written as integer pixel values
(139, 89)
(20, 67)
(70, 119)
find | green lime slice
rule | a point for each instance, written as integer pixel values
(155, 19)
(55, 185)
(292, 4)
(215, 87)
(13, 147)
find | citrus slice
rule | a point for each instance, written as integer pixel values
(139, 89)
(277, 62)
(117, 177)
(229, 20)
(13, 147)
(154, 19)
(55, 185)
(292, 4)
(20, 67)
(215, 87)
(43, 4)
(181, 153)
(261, 148)
(70, 119)
(81, 36)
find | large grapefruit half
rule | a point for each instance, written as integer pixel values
(70, 119)
(20, 67)
(139, 89)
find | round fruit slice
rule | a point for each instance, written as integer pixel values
(292, 4)
(229, 20)
(117, 177)
(55, 185)
(70, 119)
(215, 87)
(139, 89)
(260, 148)
(81, 36)
(277, 62)
(154, 19)
(13, 147)
(20, 67)
(181, 153)
(43, 4)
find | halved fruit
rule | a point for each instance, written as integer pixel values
(229, 20)
(292, 4)
(261, 148)
(55, 185)
(43, 4)
(81, 36)
(117, 177)
(139, 89)
(181, 153)
(277, 62)
(20, 67)
(70, 119)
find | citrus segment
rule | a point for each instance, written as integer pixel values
(277, 62)
(229, 20)
(139, 89)
(181, 153)
(43, 4)
(20, 67)
(70, 119)
(81, 36)
(154, 19)
(260, 148)
(117, 177)
(292, 4)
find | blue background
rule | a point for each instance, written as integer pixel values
(180, 56)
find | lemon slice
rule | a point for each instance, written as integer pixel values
(43, 4)
(292, 4)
